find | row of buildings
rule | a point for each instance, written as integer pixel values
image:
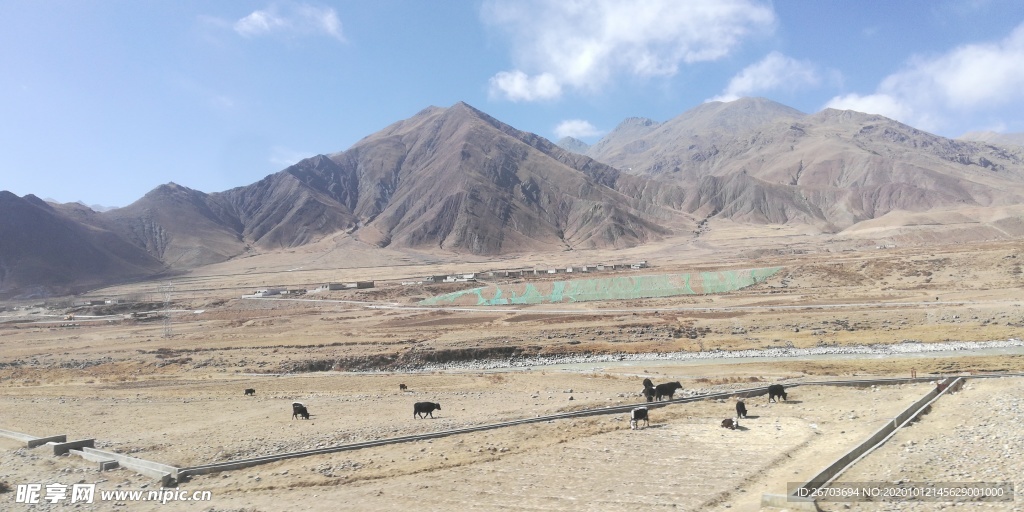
(326, 287)
(462, 278)
(532, 272)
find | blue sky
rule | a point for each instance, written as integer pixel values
(102, 101)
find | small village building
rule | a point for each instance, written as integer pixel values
(359, 284)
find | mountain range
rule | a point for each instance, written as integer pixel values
(459, 181)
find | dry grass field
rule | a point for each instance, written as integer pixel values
(171, 391)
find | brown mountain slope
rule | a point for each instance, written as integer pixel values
(642, 146)
(460, 180)
(453, 179)
(182, 227)
(754, 162)
(46, 251)
(296, 206)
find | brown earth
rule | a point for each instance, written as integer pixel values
(172, 392)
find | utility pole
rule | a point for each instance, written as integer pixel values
(167, 288)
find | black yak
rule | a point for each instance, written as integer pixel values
(424, 408)
(299, 410)
(649, 394)
(666, 390)
(775, 391)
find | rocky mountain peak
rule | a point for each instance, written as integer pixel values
(636, 122)
(573, 144)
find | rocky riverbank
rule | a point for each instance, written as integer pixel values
(909, 347)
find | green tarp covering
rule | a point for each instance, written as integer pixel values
(608, 288)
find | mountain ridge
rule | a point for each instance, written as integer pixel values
(460, 181)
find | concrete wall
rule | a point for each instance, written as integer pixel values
(879, 437)
(32, 441)
(162, 472)
(106, 463)
(39, 441)
(17, 436)
(62, 448)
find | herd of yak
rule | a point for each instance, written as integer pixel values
(420, 409)
(651, 392)
(667, 390)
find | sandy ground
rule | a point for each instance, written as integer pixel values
(971, 436)
(172, 392)
(684, 459)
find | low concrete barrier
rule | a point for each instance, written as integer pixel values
(32, 441)
(106, 464)
(62, 448)
(17, 436)
(163, 472)
(39, 441)
(832, 471)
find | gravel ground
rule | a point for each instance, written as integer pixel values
(973, 435)
(591, 464)
(684, 460)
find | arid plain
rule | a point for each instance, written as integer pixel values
(171, 391)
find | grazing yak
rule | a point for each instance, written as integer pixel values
(741, 409)
(649, 390)
(666, 390)
(250, 391)
(427, 408)
(299, 410)
(731, 423)
(775, 391)
(402, 387)
(636, 416)
(649, 394)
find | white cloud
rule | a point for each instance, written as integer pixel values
(290, 19)
(577, 128)
(966, 80)
(585, 44)
(517, 86)
(881, 104)
(774, 72)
